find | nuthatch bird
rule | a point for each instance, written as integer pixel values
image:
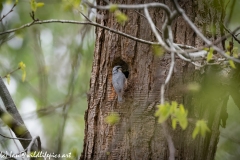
(118, 81)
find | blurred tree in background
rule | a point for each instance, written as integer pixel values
(58, 59)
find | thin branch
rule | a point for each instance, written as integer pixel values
(236, 39)
(169, 141)
(78, 22)
(31, 145)
(195, 29)
(15, 138)
(8, 12)
(170, 40)
(14, 141)
(8, 102)
(214, 42)
(186, 59)
(11, 72)
(132, 6)
(171, 15)
(164, 125)
(152, 25)
(191, 49)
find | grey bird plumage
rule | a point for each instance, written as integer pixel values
(118, 81)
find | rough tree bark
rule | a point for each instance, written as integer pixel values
(138, 135)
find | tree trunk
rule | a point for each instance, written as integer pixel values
(138, 134)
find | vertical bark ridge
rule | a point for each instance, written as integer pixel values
(138, 134)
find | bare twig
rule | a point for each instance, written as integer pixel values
(169, 141)
(196, 30)
(31, 145)
(15, 138)
(14, 141)
(152, 25)
(236, 39)
(32, 15)
(78, 22)
(11, 72)
(191, 49)
(170, 41)
(8, 12)
(132, 6)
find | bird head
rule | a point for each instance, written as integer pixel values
(117, 69)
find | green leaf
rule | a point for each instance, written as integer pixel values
(121, 17)
(157, 50)
(177, 113)
(195, 132)
(40, 4)
(163, 112)
(113, 7)
(22, 66)
(228, 53)
(183, 123)
(210, 55)
(231, 63)
(33, 5)
(112, 119)
(174, 123)
(181, 115)
(76, 3)
(201, 127)
(235, 52)
(23, 76)
(74, 152)
(8, 78)
(174, 106)
(9, 2)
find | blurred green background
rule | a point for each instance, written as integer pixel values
(58, 58)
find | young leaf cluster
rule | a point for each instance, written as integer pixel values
(231, 51)
(21, 66)
(201, 127)
(174, 110)
(234, 53)
(112, 119)
(35, 5)
(121, 17)
(178, 115)
(71, 4)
